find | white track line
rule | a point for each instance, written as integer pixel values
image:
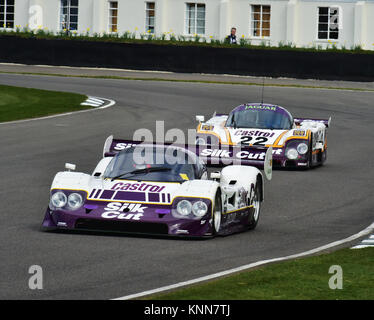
(95, 100)
(110, 104)
(361, 246)
(365, 243)
(362, 233)
(90, 104)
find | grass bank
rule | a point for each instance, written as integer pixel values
(306, 278)
(22, 103)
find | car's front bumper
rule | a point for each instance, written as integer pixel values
(166, 225)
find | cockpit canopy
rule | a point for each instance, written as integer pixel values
(155, 163)
(260, 116)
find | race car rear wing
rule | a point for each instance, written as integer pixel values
(222, 155)
(327, 122)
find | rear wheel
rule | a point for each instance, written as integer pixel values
(217, 214)
(256, 203)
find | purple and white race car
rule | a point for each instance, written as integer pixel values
(158, 189)
(296, 142)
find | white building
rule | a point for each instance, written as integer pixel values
(305, 23)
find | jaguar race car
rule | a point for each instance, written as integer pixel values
(161, 189)
(296, 142)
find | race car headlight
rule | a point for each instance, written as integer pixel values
(59, 199)
(184, 207)
(292, 154)
(199, 209)
(200, 141)
(302, 148)
(75, 201)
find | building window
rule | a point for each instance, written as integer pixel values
(6, 13)
(195, 18)
(113, 16)
(328, 23)
(69, 15)
(260, 21)
(150, 11)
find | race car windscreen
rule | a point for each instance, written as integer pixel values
(259, 119)
(152, 163)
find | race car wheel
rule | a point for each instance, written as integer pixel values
(310, 155)
(255, 214)
(217, 214)
(323, 157)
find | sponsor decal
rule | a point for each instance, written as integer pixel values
(123, 146)
(137, 187)
(300, 133)
(218, 153)
(254, 133)
(123, 211)
(301, 164)
(207, 127)
(259, 141)
(261, 107)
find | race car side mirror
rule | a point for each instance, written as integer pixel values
(215, 175)
(200, 118)
(107, 144)
(70, 166)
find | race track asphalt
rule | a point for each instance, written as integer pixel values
(302, 209)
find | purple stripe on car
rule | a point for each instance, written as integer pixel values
(92, 193)
(169, 197)
(132, 196)
(107, 194)
(163, 197)
(153, 197)
(97, 193)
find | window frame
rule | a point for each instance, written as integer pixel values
(251, 21)
(328, 38)
(68, 23)
(187, 26)
(5, 23)
(110, 17)
(148, 26)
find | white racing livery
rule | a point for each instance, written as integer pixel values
(296, 142)
(172, 197)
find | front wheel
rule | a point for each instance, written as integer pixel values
(310, 155)
(217, 214)
(256, 209)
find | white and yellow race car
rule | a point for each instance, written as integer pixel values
(296, 142)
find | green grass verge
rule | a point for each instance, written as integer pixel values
(305, 278)
(189, 81)
(22, 103)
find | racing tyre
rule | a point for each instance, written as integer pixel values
(323, 157)
(255, 214)
(310, 155)
(217, 214)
